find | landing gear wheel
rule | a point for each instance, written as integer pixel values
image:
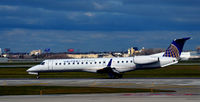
(38, 77)
(120, 76)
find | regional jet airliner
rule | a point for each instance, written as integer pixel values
(114, 67)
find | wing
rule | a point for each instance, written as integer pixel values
(112, 72)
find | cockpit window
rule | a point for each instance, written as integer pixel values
(42, 63)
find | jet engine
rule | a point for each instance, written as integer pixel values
(145, 59)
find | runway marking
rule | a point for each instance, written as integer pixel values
(157, 94)
(34, 84)
(172, 86)
(152, 87)
(5, 83)
(93, 84)
(111, 85)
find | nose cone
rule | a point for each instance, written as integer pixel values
(29, 70)
(32, 69)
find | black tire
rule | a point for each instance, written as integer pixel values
(120, 76)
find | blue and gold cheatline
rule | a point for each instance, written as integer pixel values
(175, 49)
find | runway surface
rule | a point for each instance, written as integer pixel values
(187, 90)
(101, 98)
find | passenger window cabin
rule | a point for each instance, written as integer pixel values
(131, 61)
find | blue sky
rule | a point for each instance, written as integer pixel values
(97, 25)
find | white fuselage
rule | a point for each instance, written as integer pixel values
(121, 64)
(113, 66)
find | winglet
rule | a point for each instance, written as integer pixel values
(109, 63)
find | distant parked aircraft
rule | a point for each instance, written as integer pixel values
(114, 67)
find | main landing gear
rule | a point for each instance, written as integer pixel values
(112, 72)
(115, 75)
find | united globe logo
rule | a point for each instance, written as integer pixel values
(172, 51)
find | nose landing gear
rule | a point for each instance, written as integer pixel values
(38, 76)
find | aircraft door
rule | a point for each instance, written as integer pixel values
(50, 65)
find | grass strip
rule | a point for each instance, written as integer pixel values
(181, 71)
(46, 90)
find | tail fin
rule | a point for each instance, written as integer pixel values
(176, 47)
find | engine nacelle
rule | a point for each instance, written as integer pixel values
(145, 59)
